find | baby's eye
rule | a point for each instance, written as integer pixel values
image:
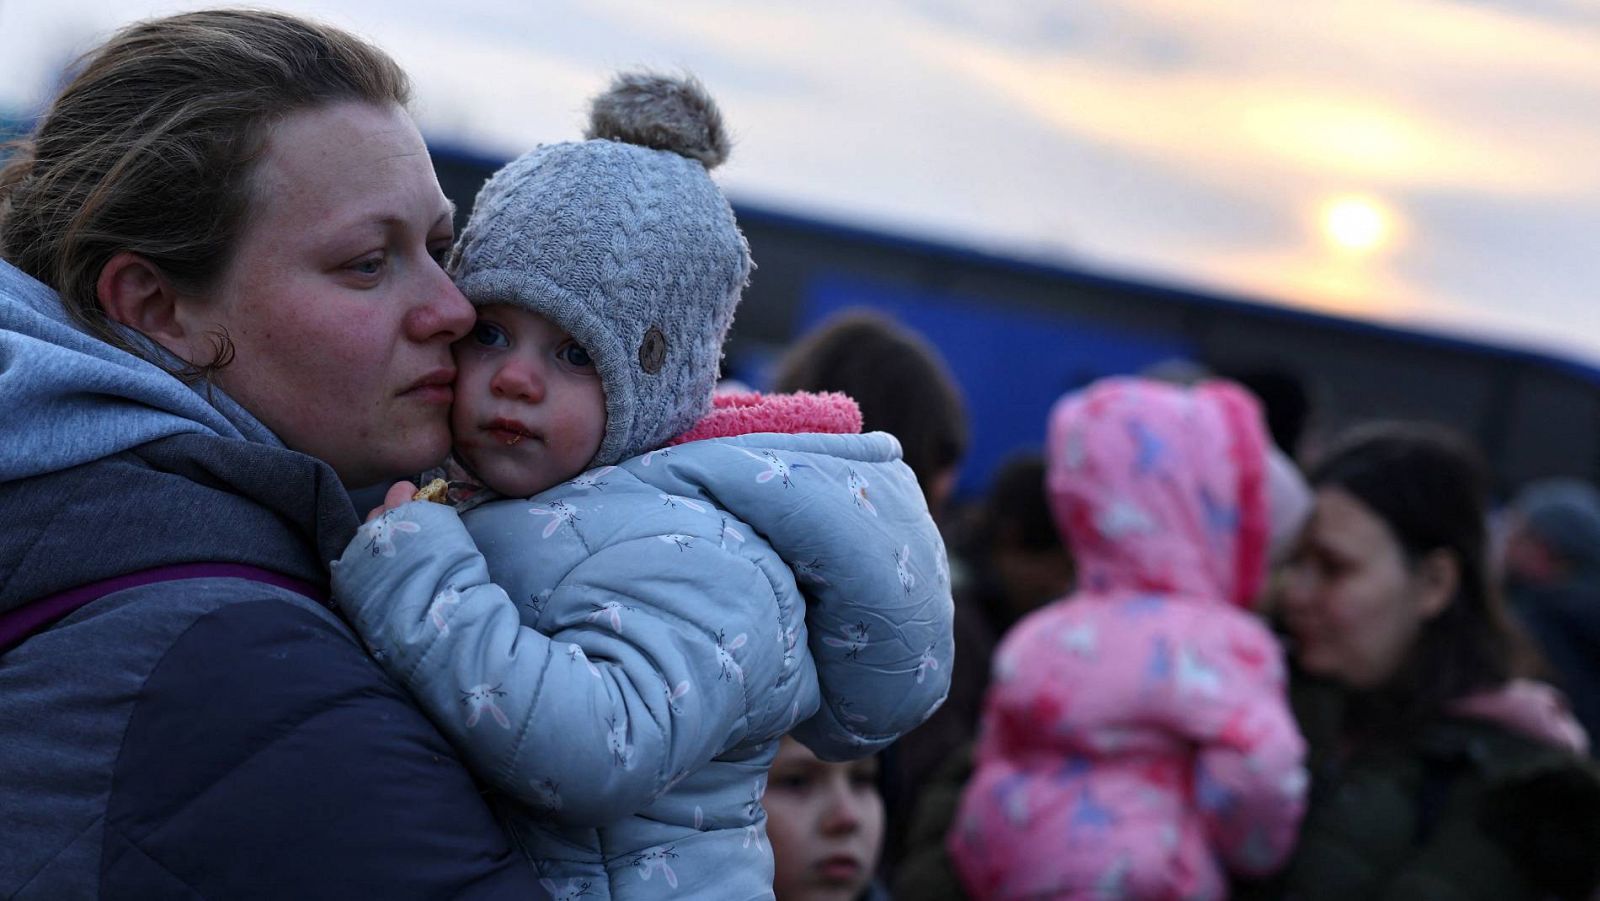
(372, 265)
(573, 355)
(488, 334)
(440, 253)
(793, 783)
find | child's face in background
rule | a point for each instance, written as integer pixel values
(825, 822)
(529, 411)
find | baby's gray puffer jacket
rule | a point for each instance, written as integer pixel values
(651, 630)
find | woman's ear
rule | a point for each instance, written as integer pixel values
(134, 292)
(1437, 576)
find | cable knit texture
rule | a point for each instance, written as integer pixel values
(632, 250)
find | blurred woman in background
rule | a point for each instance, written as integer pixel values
(1438, 769)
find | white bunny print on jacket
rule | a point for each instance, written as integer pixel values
(624, 649)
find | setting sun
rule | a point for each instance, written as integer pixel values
(1357, 223)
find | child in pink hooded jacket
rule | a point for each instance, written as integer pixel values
(1136, 740)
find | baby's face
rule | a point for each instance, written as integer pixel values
(529, 412)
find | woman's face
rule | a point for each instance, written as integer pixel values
(1352, 600)
(825, 821)
(339, 311)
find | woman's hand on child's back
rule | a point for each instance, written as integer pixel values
(398, 493)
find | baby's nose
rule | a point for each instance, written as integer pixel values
(521, 380)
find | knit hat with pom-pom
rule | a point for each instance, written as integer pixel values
(625, 242)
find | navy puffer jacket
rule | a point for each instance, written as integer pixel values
(211, 736)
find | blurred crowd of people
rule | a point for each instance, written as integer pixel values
(1180, 675)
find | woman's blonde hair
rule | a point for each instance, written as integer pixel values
(151, 146)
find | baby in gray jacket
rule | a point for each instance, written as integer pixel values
(637, 590)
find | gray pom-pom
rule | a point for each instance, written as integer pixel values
(661, 112)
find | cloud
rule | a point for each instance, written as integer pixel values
(1246, 122)
(1181, 140)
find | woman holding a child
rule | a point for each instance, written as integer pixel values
(224, 303)
(221, 303)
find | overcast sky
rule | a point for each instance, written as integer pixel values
(1195, 142)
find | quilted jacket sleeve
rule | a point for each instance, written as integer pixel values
(639, 681)
(1250, 778)
(881, 625)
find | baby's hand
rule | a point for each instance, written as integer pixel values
(399, 493)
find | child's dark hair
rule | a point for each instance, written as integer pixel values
(1016, 510)
(898, 378)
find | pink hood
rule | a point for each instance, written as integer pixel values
(1160, 488)
(1531, 708)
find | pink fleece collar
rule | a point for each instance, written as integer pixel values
(1531, 708)
(745, 413)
